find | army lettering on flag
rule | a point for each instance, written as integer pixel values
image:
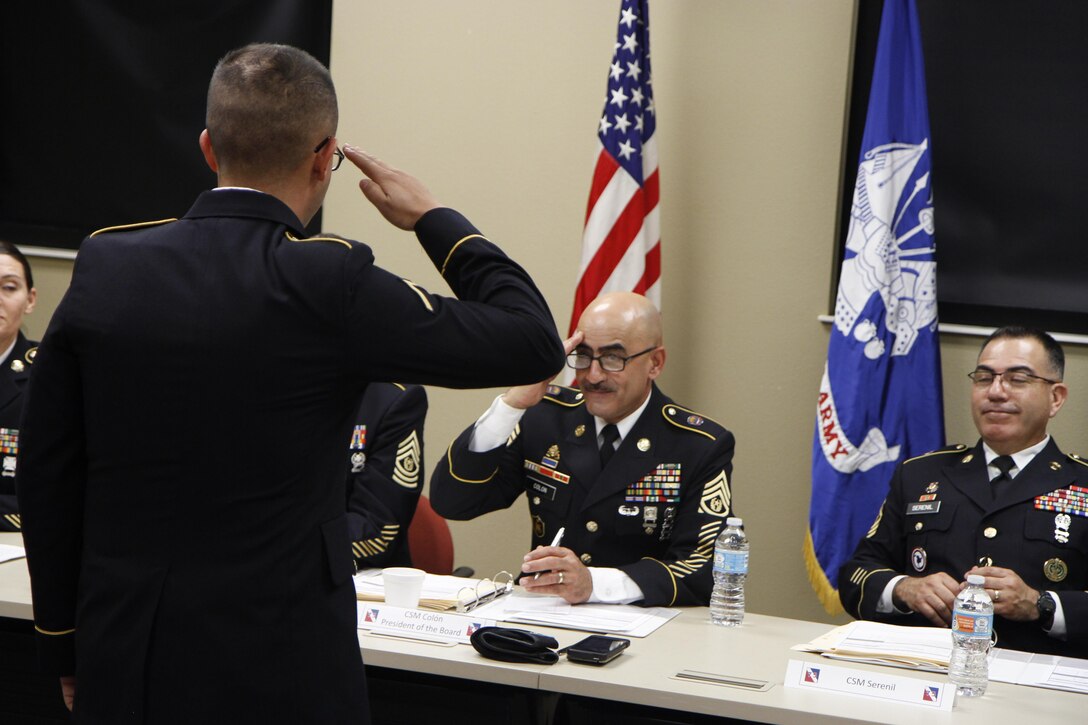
(879, 400)
(621, 241)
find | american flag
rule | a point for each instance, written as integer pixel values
(621, 244)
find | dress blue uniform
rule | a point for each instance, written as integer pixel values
(14, 373)
(654, 512)
(385, 473)
(940, 516)
(182, 459)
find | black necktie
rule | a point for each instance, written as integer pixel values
(1003, 480)
(610, 433)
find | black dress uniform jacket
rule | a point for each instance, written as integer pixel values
(14, 373)
(940, 516)
(654, 512)
(385, 473)
(182, 471)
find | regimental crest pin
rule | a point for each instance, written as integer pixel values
(643, 444)
(918, 559)
(538, 527)
(1055, 569)
(968, 458)
(579, 431)
(932, 488)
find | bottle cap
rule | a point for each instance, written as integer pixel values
(976, 579)
(734, 521)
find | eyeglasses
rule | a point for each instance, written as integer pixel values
(610, 362)
(338, 155)
(1012, 379)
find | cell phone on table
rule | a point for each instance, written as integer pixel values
(596, 650)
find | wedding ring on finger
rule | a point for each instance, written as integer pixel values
(560, 577)
(997, 595)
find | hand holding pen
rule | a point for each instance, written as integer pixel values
(555, 542)
(557, 570)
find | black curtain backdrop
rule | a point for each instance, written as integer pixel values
(1008, 113)
(103, 102)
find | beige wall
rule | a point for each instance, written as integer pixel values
(494, 104)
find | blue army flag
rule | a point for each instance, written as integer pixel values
(880, 396)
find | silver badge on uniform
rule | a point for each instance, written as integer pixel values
(666, 524)
(628, 510)
(918, 559)
(9, 466)
(358, 462)
(1061, 528)
(649, 519)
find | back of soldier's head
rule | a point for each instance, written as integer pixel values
(268, 107)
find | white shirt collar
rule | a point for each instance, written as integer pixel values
(625, 425)
(1020, 459)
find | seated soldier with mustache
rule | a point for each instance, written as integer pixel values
(1013, 509)
(639, 484)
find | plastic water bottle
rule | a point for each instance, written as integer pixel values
(972, 623)
(730, 571)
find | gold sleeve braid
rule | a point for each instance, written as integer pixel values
(373, 547)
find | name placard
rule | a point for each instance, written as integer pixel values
(418, 623)
(871, 684)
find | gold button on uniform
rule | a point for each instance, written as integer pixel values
(586, 558)
(989, 532)
(918, 526)
(536, 500)
(591, 526)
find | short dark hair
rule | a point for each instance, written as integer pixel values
(1053, 349)
(268, 107)
(12, 251)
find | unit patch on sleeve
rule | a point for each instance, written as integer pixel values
(406, 467)
(715, 499)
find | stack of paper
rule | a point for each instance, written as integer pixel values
(440, 593)
(549, 611)
(929, 649)
(919, 648)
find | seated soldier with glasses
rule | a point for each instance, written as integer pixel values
(638, 485)
(1013, 509)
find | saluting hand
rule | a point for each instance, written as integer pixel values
(526, 396)
(400, 197)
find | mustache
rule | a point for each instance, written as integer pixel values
(998, 409)
(596, 387)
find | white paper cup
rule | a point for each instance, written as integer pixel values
(402, 586)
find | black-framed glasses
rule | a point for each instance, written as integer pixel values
(338, 155)
(610, 362)
(1014, 379)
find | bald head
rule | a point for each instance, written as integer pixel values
(627, 316)
(624, 329)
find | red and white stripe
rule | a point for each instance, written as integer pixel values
(621, 244)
